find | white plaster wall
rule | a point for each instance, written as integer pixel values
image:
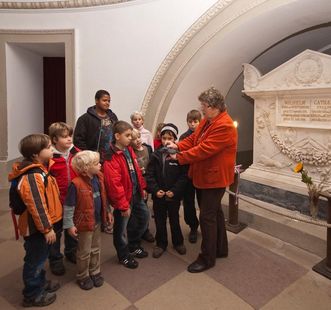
(24, 95)
(118, 47)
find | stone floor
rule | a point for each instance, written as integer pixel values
(261, 272)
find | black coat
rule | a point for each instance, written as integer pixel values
(88, 127)
(167, 175)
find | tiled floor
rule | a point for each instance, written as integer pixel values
(261, 272)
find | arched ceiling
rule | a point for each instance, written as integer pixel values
(238, 34)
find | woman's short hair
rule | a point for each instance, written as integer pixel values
(33, 144)
(213, 98)
(83, 160)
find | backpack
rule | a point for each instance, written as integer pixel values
(15, 201)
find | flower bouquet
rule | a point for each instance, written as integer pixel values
(314, 190)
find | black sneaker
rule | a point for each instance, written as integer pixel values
(129, 262)
(85, 284)
(57, 267)
(43, 300)
(97, 279)
(181, 249)
(51, 286)
(139, 253)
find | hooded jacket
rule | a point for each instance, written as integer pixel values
(88, 128)
(118, 181)
(43, 205)
(164, 173)
(63, 171)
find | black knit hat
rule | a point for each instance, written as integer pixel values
(170, 127)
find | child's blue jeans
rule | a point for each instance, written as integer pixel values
(34, 274)
(128, 231)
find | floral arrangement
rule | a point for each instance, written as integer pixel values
(314, 190)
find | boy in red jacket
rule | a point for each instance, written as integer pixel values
(63, 152)
(126, 192)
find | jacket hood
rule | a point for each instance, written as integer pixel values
(93, 112)
(20, 168)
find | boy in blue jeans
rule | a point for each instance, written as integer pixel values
(125, 188)
(35, 224)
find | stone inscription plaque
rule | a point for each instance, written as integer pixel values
(307, 112)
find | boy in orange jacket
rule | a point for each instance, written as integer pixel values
(43, 210)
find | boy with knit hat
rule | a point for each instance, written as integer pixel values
(166, 181)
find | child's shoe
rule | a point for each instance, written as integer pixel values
(157, 252)
(139, 253)
(181, 249)
(51, 286)
(129, 262)
(57, 267)
(97, 279)
(85, 284)
(43, 300)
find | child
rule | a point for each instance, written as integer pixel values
(143, 153)
(157, 137)
(63, 152)
(85, 208)
(137, 121)
(193, 119)
(93, 129)
(166, 180)
(43, 211)
(125, 188)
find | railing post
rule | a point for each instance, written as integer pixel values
(233, 224)
(324, 266)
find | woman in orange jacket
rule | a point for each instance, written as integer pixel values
(211, 153)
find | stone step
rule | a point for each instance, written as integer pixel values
(306, 236)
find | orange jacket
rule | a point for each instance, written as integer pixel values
(43, 205)
(211, 153)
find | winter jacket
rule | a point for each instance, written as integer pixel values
(63, 171)
(83, 213)
(211, 152)
(165, 174)
(186, 134)
(43, 205)
(87, 132)
(118, 181)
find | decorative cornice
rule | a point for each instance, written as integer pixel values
(68, 4)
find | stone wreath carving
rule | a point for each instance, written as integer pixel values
(307, 154)
(309, 69)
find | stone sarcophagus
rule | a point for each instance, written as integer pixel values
(292, 123)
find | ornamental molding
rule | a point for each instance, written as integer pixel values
(186, 38)
(68, 4)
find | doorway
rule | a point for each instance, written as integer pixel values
(54, 87)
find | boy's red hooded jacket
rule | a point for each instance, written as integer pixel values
(63, 171)
(118, 179)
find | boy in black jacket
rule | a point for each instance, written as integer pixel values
(94, 129)
(166, 181)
